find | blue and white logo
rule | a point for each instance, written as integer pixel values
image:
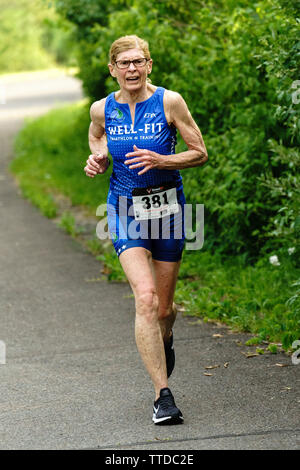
(117, 115)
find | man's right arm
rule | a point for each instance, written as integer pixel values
(97, 162)
(97, 136)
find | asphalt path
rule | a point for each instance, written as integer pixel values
(71, 377)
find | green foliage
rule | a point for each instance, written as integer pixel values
(32, 36)
(235, 63)
(52, 162)
(272, 348)
(57, 39)
(85, 13)
(67, 222)
(253, 341)
(249, 298)
(43, 200)
(284, 226)
(113, 269)
(20, 30)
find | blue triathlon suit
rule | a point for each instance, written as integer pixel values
(163, 237)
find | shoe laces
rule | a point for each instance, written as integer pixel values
(166, 401)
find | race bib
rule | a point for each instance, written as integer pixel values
(155, 203)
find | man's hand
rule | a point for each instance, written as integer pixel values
(96, 165)
(143, 158)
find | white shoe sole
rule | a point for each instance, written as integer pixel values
(167, 419)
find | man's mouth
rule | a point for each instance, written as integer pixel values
(132, 79)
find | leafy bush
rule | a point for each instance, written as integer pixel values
(32, 36)
(234, 62)
(48, 163)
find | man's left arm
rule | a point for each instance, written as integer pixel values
(181, 118)
(178, 114)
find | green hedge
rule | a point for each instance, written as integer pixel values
(32, 36)
(235, 63)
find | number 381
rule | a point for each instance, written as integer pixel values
(154, 200)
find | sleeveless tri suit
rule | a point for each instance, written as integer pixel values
(143, 210)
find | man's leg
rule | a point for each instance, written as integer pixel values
(136, 263)
(165, 274)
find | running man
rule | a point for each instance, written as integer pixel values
(138, 125)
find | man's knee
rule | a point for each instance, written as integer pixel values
(167, 311)
(146, 301)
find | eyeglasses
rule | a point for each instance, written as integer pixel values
(124, 64)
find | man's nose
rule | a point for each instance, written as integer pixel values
(131, 66)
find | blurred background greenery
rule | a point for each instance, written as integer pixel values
(236, 63)
(33, 36)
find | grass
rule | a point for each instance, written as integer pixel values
(51, 153)
(248, 298)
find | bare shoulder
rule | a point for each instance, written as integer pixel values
(173, 103)
(173, 98)
(97, 112)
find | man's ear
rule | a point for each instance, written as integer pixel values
(149, 66)
(112, 70)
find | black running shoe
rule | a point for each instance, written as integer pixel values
(170, 355)
(165, 411)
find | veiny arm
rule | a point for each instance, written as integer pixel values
(97, 162)
(178, 114)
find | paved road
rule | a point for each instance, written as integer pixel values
(73, 378)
